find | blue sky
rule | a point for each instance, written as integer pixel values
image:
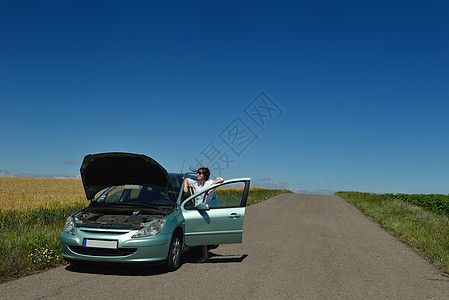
(353, 94)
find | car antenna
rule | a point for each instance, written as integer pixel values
(182, 168)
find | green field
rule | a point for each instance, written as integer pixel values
(32, 216)
(421, 221)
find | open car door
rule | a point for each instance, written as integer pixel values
(215, 215)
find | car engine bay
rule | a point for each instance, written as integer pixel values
(115, 218)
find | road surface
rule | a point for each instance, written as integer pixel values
(294, 246)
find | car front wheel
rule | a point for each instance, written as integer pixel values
(174, 253)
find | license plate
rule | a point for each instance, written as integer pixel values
(100, 244)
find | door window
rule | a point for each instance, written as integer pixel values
(225, 196)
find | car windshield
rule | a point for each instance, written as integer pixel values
(134, 194)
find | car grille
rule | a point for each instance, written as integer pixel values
(102, 251)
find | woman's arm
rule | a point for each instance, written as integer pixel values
(186, 185)
(218, 180)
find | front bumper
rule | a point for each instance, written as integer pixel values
(151, 249)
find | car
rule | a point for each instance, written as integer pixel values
(139, 214)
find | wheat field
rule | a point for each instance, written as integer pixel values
(25, 193)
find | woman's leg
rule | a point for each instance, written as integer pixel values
(204, 249)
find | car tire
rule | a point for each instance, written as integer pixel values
(174, 252)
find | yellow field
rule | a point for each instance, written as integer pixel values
(23, 193)
(240, 189)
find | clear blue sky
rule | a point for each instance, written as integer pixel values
(358, 90)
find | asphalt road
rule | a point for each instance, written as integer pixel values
(294, 246)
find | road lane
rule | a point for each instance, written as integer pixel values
(302, 246)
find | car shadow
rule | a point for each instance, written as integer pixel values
(215, 258)
(226, 259)
(190, 257)
(116, 269)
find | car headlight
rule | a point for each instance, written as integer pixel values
(151, 230)
(70, 225)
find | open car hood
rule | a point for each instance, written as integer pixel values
(103, 170)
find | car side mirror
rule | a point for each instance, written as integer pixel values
(203, 206)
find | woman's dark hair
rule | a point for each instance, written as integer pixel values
(205, 171)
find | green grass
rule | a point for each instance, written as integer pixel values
(29, 237)
(436, 202)
(257, 195)
(424, 230)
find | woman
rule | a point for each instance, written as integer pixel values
(202, 183)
